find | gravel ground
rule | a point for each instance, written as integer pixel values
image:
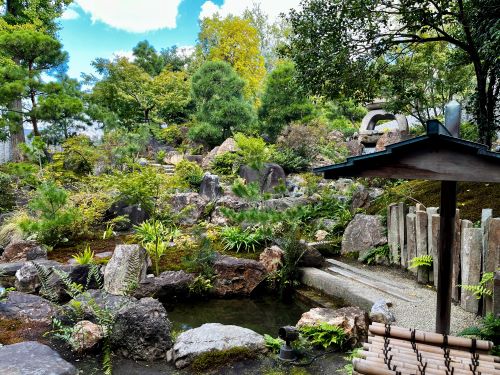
(422, 314)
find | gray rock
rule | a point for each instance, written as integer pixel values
(363, 233)
(380, 313)
(33, 358)
(285, 203)
(168, 287)
(210, 186)
(311, 258)
(104, 301)
(236, 276)
(23, 250)
(192, 206)
(141, 331)
(214, 337)
(363, 197)
(127, 266)
(268, 178)
(27, 307)
(227, 201)
(135, 215)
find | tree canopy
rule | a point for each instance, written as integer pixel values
(336, 45)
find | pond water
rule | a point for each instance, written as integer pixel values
(263, 314)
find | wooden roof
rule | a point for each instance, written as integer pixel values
(434, 156)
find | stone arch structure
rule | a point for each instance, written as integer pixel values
(370, 120)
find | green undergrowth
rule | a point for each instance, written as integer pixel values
(472, 197)
(218, 358)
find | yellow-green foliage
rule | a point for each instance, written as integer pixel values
(421, 261)
(172, 135)
(189, 172)
(253, 150)
(11, 229)
(219, 358)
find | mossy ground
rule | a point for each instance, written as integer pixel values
(218, 358)
(13, 331)
(472, 197)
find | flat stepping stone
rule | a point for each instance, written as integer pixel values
(33, 358)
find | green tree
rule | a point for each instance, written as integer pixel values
(128, 96)
(42, 15)
(154, 62)
(412, 85)
(62, 109)
(336, 44)
(283, 100)
(235, 41)
(31, 53)
(217, 92)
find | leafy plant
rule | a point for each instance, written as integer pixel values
(108, 232)
(376, 255)
(7, 200)
(481, 289)
(225, 164)
(53, 218)
(84, 257)
(324, 335)
(273, 344)
(253, 151)
(421, 261)
(189, 172)
(156, 238)
(200, 285)
(236, 238)
(489, 329)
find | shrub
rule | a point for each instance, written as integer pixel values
(225, 164)
(6, 193)
(377, 255)
(53, 218)
(206, 134)
(24, 174)
(84, 257)
(290, 161)
(172, 135)
(189, 172)
(253, 150)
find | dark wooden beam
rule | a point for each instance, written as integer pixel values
(445, 255)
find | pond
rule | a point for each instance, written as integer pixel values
(263, 314)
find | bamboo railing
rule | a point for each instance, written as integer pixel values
(392, 350)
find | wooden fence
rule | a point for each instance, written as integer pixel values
(413, 231)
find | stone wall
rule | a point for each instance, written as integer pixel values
(414, 231)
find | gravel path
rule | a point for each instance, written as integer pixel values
(421, 314)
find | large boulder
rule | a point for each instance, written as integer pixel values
(33, 358)
(191, 205)
(229, 145)
(352, 319)
(272, 258)
(214, 337)
(268, 178)
(281, 204)
(134, 213)
(141, 331)
(354, 147)
(363, 197)
(27, 307)
(311, 257)
(363, 233)
(22, 251)
(210, 187)
(86, 335)
(127, 266)
(388, 138)
(168, 287)
(103, 301)
(380, 313)
(237, 277)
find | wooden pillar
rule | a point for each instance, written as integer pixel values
(445, 255)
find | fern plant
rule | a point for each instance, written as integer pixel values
(236, 238)
(489, 329)
(421, 261)
(324, 335)
(376, 255)
(84, 257)
(481, 289)
(273, 344)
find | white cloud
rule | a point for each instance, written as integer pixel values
(273, 8)
(121, 53)
(132, 15)
(70, 14)
(185, 51)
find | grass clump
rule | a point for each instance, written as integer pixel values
(218, 358)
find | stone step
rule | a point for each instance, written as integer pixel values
(365, 274)
(372, 284)
(350, 291)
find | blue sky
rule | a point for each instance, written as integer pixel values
(101, 28)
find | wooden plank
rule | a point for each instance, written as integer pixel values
(393, 231)
(435, 233)
(491, 257)
(411, 240)
(421, 220)
(455, 292)
(472, 243)
(402, 211)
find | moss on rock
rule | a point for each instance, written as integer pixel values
(218, 358)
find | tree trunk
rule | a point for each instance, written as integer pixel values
(16, 130)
